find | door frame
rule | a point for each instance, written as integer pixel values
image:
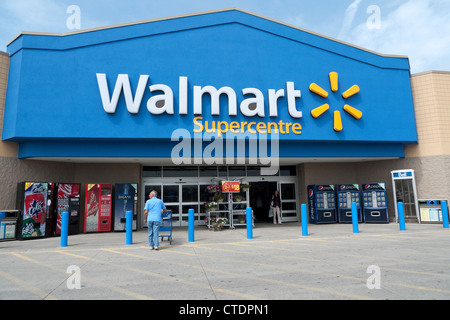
(407, 174)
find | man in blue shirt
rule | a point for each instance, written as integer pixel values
(153, 209)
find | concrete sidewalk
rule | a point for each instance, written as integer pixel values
(380, 262)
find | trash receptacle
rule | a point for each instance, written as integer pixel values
(8, 224)
(430, 211)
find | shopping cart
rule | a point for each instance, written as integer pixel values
(165, 229)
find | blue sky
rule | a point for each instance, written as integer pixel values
(419, 29)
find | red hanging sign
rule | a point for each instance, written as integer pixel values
(231, 186)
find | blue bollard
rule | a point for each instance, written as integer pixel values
(249, 223)
(64, 229)
(444, 213)
(401, 216)
(129, 227)
(355, 218)
(191, 225)
(304, 221)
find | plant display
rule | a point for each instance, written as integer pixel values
(212, 188)
(217, 223)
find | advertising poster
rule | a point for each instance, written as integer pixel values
(65, 192)
(35, 210)
(92, 207)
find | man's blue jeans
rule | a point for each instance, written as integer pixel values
(153, 233)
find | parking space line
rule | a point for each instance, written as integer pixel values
(333, 275)
(234, 293)
(85, 278)
(43, 295)
(332, 253)
(258, 279)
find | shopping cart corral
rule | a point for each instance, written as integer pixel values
(165, 230)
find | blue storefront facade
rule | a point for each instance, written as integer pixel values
(173, 92)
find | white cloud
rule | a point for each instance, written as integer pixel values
(419, 29)
(47, 14)
(349, 17)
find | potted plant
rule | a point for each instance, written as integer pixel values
(219, 198)
(245, 187)
(211, 206)
(218, 223)
(242, 218)
(237, 198)
(212, 188)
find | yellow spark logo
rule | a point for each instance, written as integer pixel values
(317, 112)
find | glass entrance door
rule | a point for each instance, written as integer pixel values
(147, 189)
(288, 201)
(178, 198)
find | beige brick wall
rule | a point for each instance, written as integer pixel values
(7, 149)
(431, 94)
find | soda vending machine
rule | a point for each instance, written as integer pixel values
(66, 199)
(98, 207)
(32, 198)
(322, 204)
(345, 195)
(374, 202)
(126, 196)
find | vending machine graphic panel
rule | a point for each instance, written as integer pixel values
(98, 207)
(374, 202)
(345, 195)
(322, 204)
(32, 201)
(126, 196)
(67, 199)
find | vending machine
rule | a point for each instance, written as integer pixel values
(322, 204)
(345, 195)
(66, 199)
(32, 198)
(98, 207)
(126, 196)
(374, 202)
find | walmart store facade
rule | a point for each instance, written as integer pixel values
(155, 103)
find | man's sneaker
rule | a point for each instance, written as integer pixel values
(156, 248)
(152, 248)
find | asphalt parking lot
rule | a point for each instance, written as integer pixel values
(380, 262)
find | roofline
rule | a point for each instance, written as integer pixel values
(431, 72)
(197, 14)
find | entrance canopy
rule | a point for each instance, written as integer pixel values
(175, 86)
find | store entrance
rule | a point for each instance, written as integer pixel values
(260, 196)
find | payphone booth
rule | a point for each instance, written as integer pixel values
(345, 195)
(322, 204)
(404, 188)
(374, 203)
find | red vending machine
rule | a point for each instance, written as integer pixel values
(98, 207)
(66, 199)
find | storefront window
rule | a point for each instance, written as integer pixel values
(150, 188)
(288, 191)
(152, 172)
(288, 171)
(236, 171)
(171, 194)
(171, 172)
(223, 172)
(190, 193)
(208, 171)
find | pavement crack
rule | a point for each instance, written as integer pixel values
(206, 275)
